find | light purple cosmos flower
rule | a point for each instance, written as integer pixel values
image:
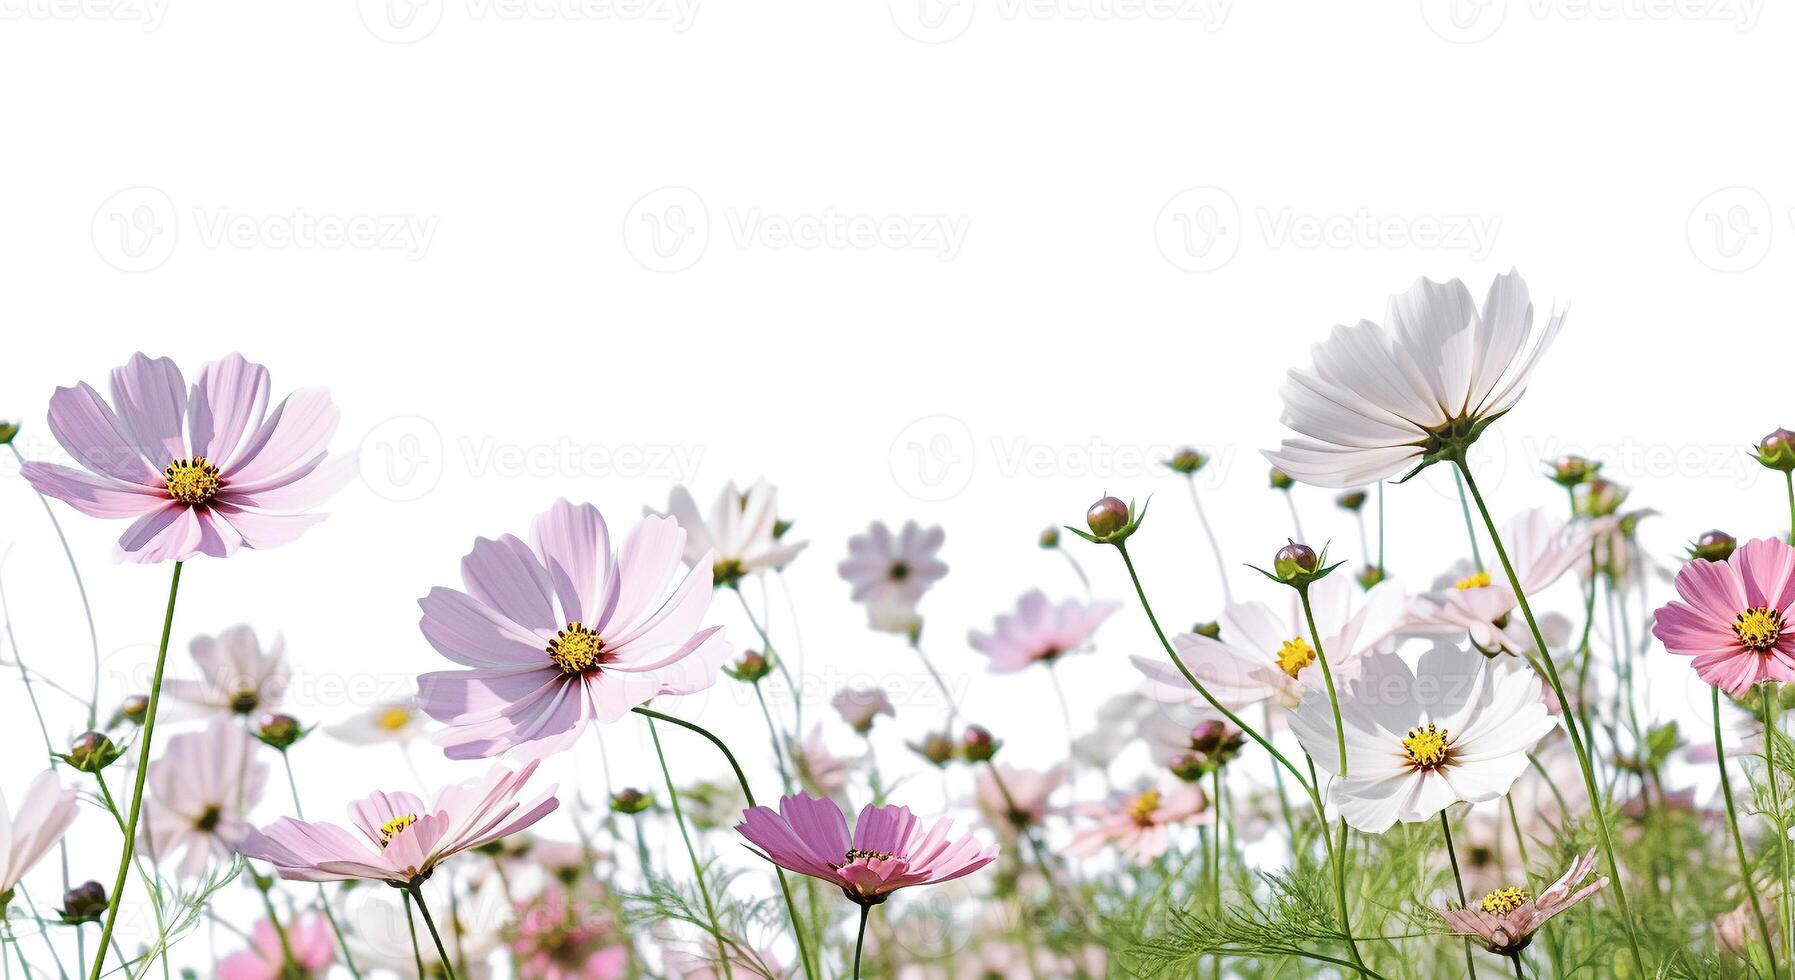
(1040, 631)
(561, 631)
(198, 472)
(890, 572)
(889, 848)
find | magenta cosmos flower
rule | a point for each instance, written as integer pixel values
(197, 472)
(1734, 616)
(402, 839)
(561, 631)
(889, 848)
(311, 940)
(1040, 631)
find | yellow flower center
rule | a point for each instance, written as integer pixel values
(1294, 655)
(576, 649)
(1427, 746)
(1759, 628)
(192, 481)
(394, 718)
(393, 827)
(860, 854)
(1503, 901)
(1479, 580)
(1143, 808)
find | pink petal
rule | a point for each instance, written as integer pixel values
(151, 397)
(81, 421)
(95, 496)
(293, 437)
(226, 407)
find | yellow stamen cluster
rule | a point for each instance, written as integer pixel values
(1294, 655)
(192, 481)
(1143, 808)
(576, 649)
(1427, 746)
(861, 854)
(1480, 580)
(393, 827)
(1503, 901)
(1759, 628)
(394, 718)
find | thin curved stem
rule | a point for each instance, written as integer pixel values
(1570, 726)
(93, 636)
(417, 952)
(1215, 547)
(1732, 820)
(766, 643)
(1789, 483)
(323, 898)
(1459, 880)
(679, 818)
(1470, 525)
(860, 939)
(143, 769)
(1767, 691)
(429, 923)
(785, 779)
(1077, 570)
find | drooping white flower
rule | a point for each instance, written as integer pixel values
(742, 534)
(237, 676)
(1381, 400)
(1417, 741)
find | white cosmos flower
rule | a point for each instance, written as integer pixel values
(239, 678)
(1458, 729)
(28, 833)
(742, 531)
(202, 789)
(1263, 655)
(1383, 399)
(390, 721)
(1542, 547)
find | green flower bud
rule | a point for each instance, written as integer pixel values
(1107, 516)
(1713, 546)
(7, 431)
(1281, 480)
(1213, 630)
(1777, 450)
(83, 903)
(750, 668)
(1352, 500)
(631, 801)
(1187, 461)
(280, 731)
(1370, 576)
(1569, 471)
(1050, 538)
(1293, 561)
(937, 747)
(92, 752)
(978, 745)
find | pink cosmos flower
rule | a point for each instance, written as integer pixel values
(198, 472)
(201, 789)
(313, 944)
(888, 850)
(1543, 547)
(1506, 919)
(402, 839)
(890, 573)
(819, 769)
(560, 940)
(239, 678)
(27, 835)
(1026, 802)
(1140, 826)
(859, 706)
(1734, 617)
(562, 631)
(1039, 631)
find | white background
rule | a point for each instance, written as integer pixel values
(596, 248)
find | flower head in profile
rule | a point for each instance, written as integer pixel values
(888, 850)
(890, 572)
(1506, 919)
(1417, 741)
(200, 471)
(386, 721)
(1735, 616)
(1040, 631)
(1139, 825)
(1379, 400)
(201, 789)
(742, 535)
(310, 939)
(1022, 800)
(398, 838)
(238, 678)
(1467, 600)
(26, 834)
(563, 631)
(860, 706)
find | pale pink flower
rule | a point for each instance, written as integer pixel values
(198, 472)
(201, 789)
(238, 677)
(889, 848)
(1735, 616)
(859, 706)
(1140, 826)
(313, 943)
(1736, 929)
(561, 632)
(889, 573)
(818, 769)
(557, 939)
(1542, 548)
(1040, 631)
(1028, 801)
(402, 839)
(741, 535)
(25, 836)
(1506, 919)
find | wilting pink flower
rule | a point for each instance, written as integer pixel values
(238, 677)
(890, 573)
(402, 839)
(1506, 919)
(200, 472)
(1735, 616)
(313, 943)
(25, 836)
(200, 791)
(1025, 804)
(560, 940)
(859, 706)
(888, 850)
(561, 631)
(1039, 631)
(1140, 826)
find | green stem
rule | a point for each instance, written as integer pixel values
(280, 931)
(1789, 483)
(143, 769)
(1570, 726)
(860, 939)
(93, 636)
(417, 953)
(766, 643)
(429, 923)
(1767, 692)
(704, 892)
(323, 899)
(1732, 820)
(791, 908)
(1215, 547)
(785, 778)
(1470, 525)
(1459, 880)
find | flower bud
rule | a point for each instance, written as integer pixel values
(1187, 461)
(7, 431)
(1777, 450)
(279, 731)
(1294, 561)
(134, 709)
(1050, 538)
(1370, 576)
(1213, 630)
(83, 903)
(92, 752)
(1569, 471)
(1352, 500)
(1106, 517)
(1188, 766)
(937, 747)
(750, 668)
(978, 745)
(1713, 546)
(1600, 498)
(1281, 480)
(630, 801)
